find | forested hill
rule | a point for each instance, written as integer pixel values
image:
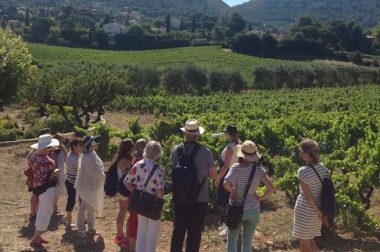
(282, 13)
(151, 8)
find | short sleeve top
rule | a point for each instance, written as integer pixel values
(238, 176)
(234, 158)
(42, 166)
(310, 178)
(139, 174)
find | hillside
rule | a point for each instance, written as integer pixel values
(282, 13)
(146, 7)
(207, 57)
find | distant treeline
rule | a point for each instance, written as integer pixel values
(309, 37)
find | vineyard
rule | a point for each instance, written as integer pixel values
(207, 57)
(344, 121)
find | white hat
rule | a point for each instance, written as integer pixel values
(192, 127)
(45, 141)
(248, 150)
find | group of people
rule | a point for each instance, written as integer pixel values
(137, 167)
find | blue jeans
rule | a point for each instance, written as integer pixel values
(250, 220)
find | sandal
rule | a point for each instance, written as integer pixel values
(43, 241)
(35, 244)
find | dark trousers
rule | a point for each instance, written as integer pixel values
(71, 194)
(188, 219)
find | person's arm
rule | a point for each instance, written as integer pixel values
(228, 186)
(226, 165)
(310, 199)
(213, 173)
(130, 178)
(269, 188)
(124, 164)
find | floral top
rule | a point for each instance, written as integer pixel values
(140, 173)
(42, 167)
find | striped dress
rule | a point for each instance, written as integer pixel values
(306, 223)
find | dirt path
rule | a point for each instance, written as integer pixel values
(273, 231)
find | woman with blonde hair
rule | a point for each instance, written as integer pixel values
(148, 229)
(307, 213)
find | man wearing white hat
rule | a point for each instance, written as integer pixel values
(193, 165)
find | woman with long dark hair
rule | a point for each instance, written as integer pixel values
(228, 158)
(123, 162)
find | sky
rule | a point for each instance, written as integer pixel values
(234, 2)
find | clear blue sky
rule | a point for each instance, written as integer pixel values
(234, 2)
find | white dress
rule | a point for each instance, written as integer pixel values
(60, 189)
(306, 223)
(90, 180)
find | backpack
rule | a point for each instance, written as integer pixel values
(328, 201)
(111, 182)
(186, 187)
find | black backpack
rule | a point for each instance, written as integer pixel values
(185, 183)
(111, 183)
(328, 201)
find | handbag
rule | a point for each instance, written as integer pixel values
(146, 204)
(233, 215)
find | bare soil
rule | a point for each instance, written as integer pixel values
(273, 232)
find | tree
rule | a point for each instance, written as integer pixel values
(193, 25)
(195, 78)
(168, 23)
(16, 66)
(106, 19)
(237, 24)
(54, 35)
(182, 26)
(40, 28)
(3, 25)
(76, 90)
(27, 17)
(158, 23)
(135, 30)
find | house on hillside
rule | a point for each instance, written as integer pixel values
(113, 29)
(14, 24)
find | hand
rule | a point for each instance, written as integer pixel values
(217, 182)
(320, 214)
(258, 197)
(234, 195)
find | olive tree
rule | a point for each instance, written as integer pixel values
(77, 91)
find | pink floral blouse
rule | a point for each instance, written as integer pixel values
(42, 167)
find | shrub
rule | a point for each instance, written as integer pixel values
(142, 79)
(174, 80)
(195, 77)
(8, 134)
(200, 42)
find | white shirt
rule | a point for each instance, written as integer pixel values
(234, 158)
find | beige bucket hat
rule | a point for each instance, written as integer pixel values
(249, 151)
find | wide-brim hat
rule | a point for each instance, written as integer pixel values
(231, 129)
(88, 141)
(45, 141)
(192, 127)
(249, 151)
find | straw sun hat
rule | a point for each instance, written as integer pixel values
(192, 127)
(45, 141)
(248, 150)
